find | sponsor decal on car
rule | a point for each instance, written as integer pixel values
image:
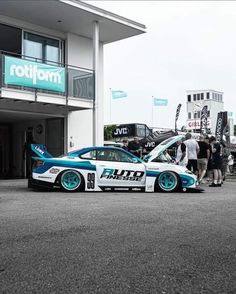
(44, 177)
(54, 170)
(122, 175)
(37, 148)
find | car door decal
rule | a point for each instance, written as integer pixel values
(122, 175)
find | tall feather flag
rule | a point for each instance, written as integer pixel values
(177, 115)
(203, 123)
(221, 124)
(117, 94)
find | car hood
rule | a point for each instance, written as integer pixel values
(163, 146)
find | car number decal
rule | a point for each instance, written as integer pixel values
(90, 181)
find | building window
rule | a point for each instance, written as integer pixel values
(202, 96)
(198, 96)
(208, 95)
(189, 115)
(194, 97)
(195, 114)
(198, 114)
(10, 39)
(44, 49)
(208, 113)
(189, 98)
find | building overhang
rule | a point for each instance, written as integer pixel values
(72, 16)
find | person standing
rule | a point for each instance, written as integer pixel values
(181, 155)
(202, 158)
(28, 153)
(216, 162)
(192, 152)
(209, 171)
(125, 145)
(231, 163)
(135, 147)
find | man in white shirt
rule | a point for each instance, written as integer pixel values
(181, 156)
(193, 150)
(231, 163)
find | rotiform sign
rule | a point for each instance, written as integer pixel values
(33, 74)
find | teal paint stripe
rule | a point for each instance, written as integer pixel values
(53, 163)
(152, 173)
(186, 181)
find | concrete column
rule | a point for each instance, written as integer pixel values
(96, 71)
(98, 101)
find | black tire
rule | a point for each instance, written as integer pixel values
(71, 181)
(167, 181)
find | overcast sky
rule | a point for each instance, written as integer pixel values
(188, 46)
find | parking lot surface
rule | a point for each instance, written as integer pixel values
(55, 242)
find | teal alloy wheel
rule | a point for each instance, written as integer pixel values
(168, 182)
(71, 181)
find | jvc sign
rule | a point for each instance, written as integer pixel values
(33, 74)
(121, 132)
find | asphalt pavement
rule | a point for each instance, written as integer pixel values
(56, 242)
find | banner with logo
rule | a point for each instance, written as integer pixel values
(31, 74)
(177, 115)
(221, 124)
(117, 94)
(124, 131)
(160, 102)
(203, 124)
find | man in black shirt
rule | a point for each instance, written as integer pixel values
(202, 158)
(216, 162)
(135, 147)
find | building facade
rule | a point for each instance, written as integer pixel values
(196, 100)
(51, 68)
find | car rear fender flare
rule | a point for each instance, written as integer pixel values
(71, 180)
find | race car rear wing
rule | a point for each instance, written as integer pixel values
(40, 151)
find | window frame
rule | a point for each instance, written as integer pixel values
(61, 47)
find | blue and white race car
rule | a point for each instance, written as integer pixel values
(111, 168)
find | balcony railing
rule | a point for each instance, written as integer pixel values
(79, 82)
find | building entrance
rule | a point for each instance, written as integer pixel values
(16, 137)
(5, 135)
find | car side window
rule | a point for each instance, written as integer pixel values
(89, 155)
(108, 155)
(125, 157)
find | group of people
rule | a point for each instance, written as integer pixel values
(204, 157)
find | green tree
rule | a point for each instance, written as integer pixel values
(108, 130)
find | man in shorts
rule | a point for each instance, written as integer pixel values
(202, 158)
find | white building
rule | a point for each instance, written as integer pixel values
(51, 67)
(196, 99)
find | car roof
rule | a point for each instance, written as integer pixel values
(87, 149)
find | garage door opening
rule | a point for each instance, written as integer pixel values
(17, 133)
